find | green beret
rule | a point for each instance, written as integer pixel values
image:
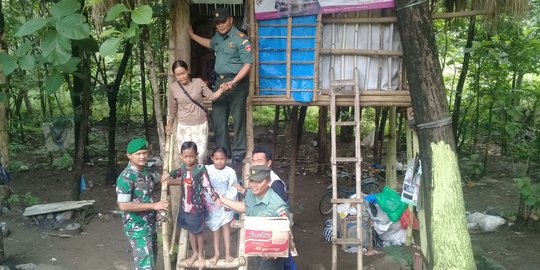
(136, 144)
(259, 172)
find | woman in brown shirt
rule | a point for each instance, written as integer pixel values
(191, 118)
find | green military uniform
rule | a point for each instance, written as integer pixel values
(232, 51)
(269, 205)
(140, 227)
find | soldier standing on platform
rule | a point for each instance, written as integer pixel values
(233, 64)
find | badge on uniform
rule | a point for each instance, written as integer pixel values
(231, 45)
(248, 48)
(240, 34)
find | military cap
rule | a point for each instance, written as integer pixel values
(136, 144)
(221, 14)
(258, 173)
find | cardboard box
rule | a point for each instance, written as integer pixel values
(266, 236)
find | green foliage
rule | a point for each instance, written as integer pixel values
(17, 166)
(529, 194)
(53, 83)
(54, 33)
(473, 166)
(27, 199)
(8, 62)
(63, 162)
(141, 15)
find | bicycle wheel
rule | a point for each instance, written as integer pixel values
(370, 188)
(325, 204)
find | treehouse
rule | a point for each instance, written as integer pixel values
(307, 53)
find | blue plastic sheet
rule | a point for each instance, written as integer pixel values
(273, 58)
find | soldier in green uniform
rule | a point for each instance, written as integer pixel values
(261, 201)
(134, 189)
(233, 63)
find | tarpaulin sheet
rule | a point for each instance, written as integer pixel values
(273, 57)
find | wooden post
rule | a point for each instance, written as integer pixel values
(179, 48)
(288, 56)
(293, 154)
(391, 152)
(323, 140)
(166, 216)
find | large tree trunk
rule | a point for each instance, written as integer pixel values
(4, 108)
(112, 98)
(441, 195)
(4, 120)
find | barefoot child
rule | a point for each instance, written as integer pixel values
(223, 179)
(194, 181)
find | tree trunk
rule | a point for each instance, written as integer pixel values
(346, 132)
(462, 76)
(112, 98)
(81, 97)
(276, 129)
(4, 112)
(143, 91)
(488, 138)
(323, 141)
(379, 136)
(441, 194)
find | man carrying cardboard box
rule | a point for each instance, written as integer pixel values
(261, 201)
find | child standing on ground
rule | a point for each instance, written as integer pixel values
(192, 213)
(223, 179)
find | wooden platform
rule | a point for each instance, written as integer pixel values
(367, 99)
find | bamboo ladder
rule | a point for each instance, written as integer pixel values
(335, 87)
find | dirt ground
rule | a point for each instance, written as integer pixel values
(102, 245)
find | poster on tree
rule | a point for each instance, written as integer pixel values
(271, 9)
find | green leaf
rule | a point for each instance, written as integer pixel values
(531, 201)
(115, 11)
(110, 32)
(23, 49)
(109, 47)
(70, 66)
(53, 83)
(4, 97)
(87, 44)
(132, 31)
(31, 27)
(27, 62)
(65, 7)
(142, 15)
(56, 48)
(73, 26)
(8, 63)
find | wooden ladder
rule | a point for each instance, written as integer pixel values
(337, 88)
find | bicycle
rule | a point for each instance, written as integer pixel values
(369, 185)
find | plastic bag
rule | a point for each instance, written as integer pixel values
(486, 223)
(405, 219)
(390, 202)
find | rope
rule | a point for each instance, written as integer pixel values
(410, 4)
(435, 123)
